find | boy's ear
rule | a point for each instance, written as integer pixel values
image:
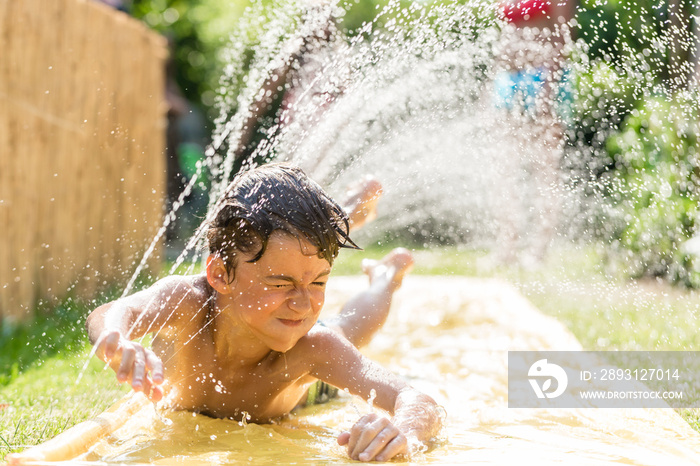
(217, 275)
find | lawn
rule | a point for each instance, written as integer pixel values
(48, 382)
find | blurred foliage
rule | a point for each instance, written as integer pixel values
(640, 122)
(655, 182)
(197, 31)
(604, 99)
(629, 52)
(636, 32)
(201, 30)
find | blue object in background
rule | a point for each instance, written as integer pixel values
(519, 89)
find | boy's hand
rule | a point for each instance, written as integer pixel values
(133, 363)
(374, 438)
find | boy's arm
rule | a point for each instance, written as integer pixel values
(112, 326)
(415, 415)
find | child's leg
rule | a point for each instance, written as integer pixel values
(361, 201)
(365, 313)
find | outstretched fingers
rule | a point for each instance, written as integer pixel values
(374, 438)
(133, 363)
(155, 366)
(108, 344)
(152, 376)
(127, 364)
(139, 370)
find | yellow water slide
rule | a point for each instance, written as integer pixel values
(450, 337)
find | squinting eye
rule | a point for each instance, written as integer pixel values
(319, 283)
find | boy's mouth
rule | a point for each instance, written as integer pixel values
(291, 322)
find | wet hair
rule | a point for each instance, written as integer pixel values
(276, 197)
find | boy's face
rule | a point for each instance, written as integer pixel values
(279, 297)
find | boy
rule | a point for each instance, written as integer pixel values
(243, 337)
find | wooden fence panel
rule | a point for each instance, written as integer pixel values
(82, 141)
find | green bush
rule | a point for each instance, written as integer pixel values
(636, 133)
(654, 187)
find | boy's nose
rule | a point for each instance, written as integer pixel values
(301, 300)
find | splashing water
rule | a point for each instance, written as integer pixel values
(409, 98)
(411, 103)
(370, 400)
(416, 98)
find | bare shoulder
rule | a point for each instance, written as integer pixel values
(323, 336)
(183, 295)
(322, 345)
(182, 287)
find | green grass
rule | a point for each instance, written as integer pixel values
(40, 363)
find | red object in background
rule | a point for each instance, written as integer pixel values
(525, 10)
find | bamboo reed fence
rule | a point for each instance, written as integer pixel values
(82, 137)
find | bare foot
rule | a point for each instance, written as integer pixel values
(361, 201)
(390, 269)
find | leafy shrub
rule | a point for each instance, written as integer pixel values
(654, 188)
